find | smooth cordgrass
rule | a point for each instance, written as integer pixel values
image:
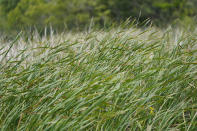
(120, 79)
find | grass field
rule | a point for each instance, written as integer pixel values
(112, 80)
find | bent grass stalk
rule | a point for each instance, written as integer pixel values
(124, 79)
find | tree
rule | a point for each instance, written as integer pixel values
(17, 14)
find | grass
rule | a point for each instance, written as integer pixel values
(115, 80)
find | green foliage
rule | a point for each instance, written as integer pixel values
(8, 5)
(162, 11)
(58, 13)
(17, 14)
(123, 79)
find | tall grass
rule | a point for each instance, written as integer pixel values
(116, 80)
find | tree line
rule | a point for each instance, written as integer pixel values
(17, 14)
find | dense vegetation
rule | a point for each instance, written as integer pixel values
(121, 79)
(18, 14)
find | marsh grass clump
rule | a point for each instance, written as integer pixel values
(122, 79)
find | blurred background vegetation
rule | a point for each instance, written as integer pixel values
(61, 14)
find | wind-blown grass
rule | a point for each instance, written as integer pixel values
(123, 79)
